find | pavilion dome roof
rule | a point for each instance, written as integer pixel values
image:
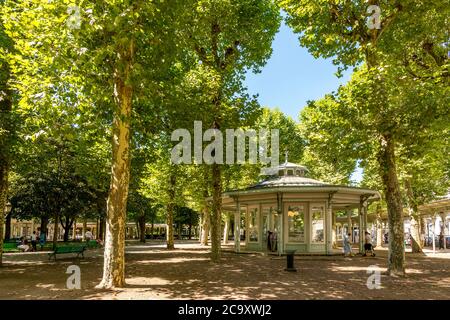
(287, 174)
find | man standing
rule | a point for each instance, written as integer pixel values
(34, 241)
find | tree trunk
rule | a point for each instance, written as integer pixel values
(190, 231)
(114, 254)
(67, 227)
(6, 128)
(84, 229)
(96, 229)
(170, 212)
(413, 216)
(55, 231)
(416, 246)
(66, 234)
(142, 229)
(216, 214)
(423, 225)
(169, 235)
(4, 169)
(396, 259)
(44, 223)
(379, 233)
(205, 226)
(8, 226)
(101, 228)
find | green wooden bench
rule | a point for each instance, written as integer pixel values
(79, 250)
(92, 244)
(10, 247)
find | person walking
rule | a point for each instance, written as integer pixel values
(347, 245)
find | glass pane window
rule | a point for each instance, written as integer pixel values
(253, 225)
(296, 223)
(317, 224)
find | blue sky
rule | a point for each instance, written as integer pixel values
(293, 76)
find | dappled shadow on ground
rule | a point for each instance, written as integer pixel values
(156, 273)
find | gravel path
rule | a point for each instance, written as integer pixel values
(187, 273)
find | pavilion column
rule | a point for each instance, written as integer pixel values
(74, 232)
(361, 225)
(433, 232)
(226, 228)
(280, 233)
(329, 226)
(334, 233)
(237, 227)
(349, 224)
(365, 216)
(444, 229)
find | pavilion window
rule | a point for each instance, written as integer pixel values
(317, 224)
(281, 173)
(296, 223)
(253, 225)
(290, 172)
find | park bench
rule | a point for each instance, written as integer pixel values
(10, 247)
(79, 250)
(92, 244)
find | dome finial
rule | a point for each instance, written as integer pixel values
(286, 154)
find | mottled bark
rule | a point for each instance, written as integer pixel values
(416, 243)
(396, 258)
(379, 233)
(416, 246)
(114, 254)
(205, 226)
(422, 228)
(216, 213)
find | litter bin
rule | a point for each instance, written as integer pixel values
(290, 261)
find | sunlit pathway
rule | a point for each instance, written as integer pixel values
(186, 273)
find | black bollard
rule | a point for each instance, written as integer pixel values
(290, 261)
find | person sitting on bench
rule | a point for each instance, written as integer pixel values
(24, 246)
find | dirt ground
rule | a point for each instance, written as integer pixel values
(152, 272)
